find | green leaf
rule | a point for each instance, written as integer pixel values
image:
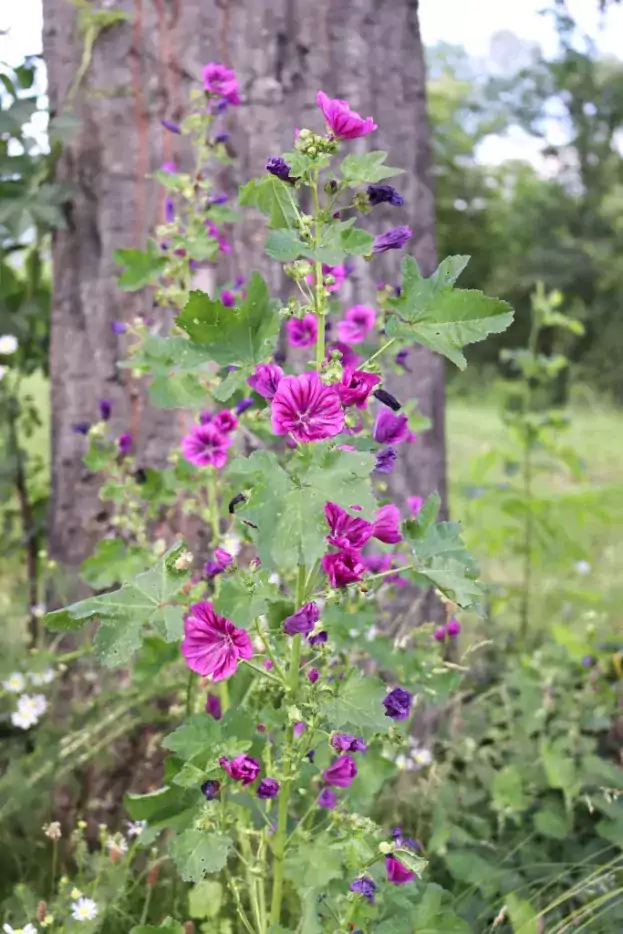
(243, 336)
(357, 242)
(164, 807)
(285, 246)
(522, 916)
(431, 313)
(553, 822)
(197, 854)
(507, 789)
(178, 391)
(359, 704)
(413, 862)
(559, 769)
(233, 382)
(205, 899)
(196, 735)
(111, 560)
(244, 597)
(168, 926)
(314, 865)
(440, 540)
(140, 268)
(451, 579)
(274, 198)
(366, 168)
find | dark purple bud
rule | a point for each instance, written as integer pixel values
(221, 106)
(211, 788)
(398, 704)
(105, 409)
(118, 327)
(221, 138)
(390, 428)
(81, 428)
(384, 194)
(311, 755)
(169, 210)
(243, 405)
(228, 298)
(319, 638)
(393, 239)
(124, 443)
(205, 417)
(327, 799)
(364, 886)
(172, 127)
(386, 460)
(213, 706)
(401, 359)
(219, 199)
(312, 675)
(303, 621)
(387, 399)
(280, 169)
(268, 788)
(346, 742)
(238, 282)
(588, 661)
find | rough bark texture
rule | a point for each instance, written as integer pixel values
(367, 51)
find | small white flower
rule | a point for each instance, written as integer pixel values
(15, 683)
(29, 710)
(28, 929)
(582, 567)
(274, 578)
(39, 678)
(8, 344)
(135, 828)
(39, 703)
(372, 633)
(117, 846)
(38, 610)
(232, 544)
(353, 633)
(84, 909)
(422, 756)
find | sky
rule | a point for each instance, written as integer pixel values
(471, 23)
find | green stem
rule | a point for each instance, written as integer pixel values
(318, 286)
(377, 353)
(54, 859)
(189, 693)
(146, 904)
(267, 648)
(262, 671)
(279, 845)
(213, 507)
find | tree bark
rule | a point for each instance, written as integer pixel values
(367, 51)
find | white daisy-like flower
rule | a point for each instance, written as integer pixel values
(29, 710)
(8, 344)
(15, 683)
(117, 846)
(232, 544)
(39, 704)
(39, 678)
(85, 909)
(422, 756)
(135, 828)
(582, 567)
(28, 929)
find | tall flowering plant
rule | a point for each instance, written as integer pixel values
(286, 746)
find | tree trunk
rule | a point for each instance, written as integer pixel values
(367, 51)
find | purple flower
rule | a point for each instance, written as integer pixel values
(355, 387)
(415, 504)
(280, 169)
(222, 560)
(268, 788)
(221, 138)
(386, 460)
(346, 531)
(341, 773)
(405, 842)
(211, 788)
(342, 121)
(223, 198)
(228, 298)
(386, 525)
(319, 638)
(298, 729)
(243, 405)
(118, 327)
(346, 742)
(390, 428)
(212, 645)
(343, 567)
(225, 421)
(81, 428)
(327, 799)
(401, 359)
(221, 81)
(339, 274)
(265, 379)
(105, 409)
(398, 704)
(307, 409)
(206, 446)
(243, 768)
(397, 873)
(384, 194)
(223, 243)
(453, 628)
(348, 356)
(213, 706)
(312, 675)
(364, 886)
(393, 239)
(169, 210)
(356, 324)
(124, 443)
(588, 661)
(302, 332)
(172, 127)
(303, 621)
(169, 167)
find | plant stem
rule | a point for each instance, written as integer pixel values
(189, 693)
(377, 353)
(213, 506)
(262, 671)
(279, 845)
(318, 285)
(146, 903)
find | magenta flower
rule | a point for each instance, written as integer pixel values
(453, 628)
(355, 387)
(312, 675)
(303, 621)
(415, 504)
(221, 81)
(341, 773)
(397, 872)
(356, 324)
(346, 742)
(302, 332)
(346, 531)
(265, 379)
(206, 446)
(222, 560)
(213, 706)
(390, 428)
(339, 273)
(298, 729)
(307, 409)
(327, 799)
(243, 768)
(343, 567)
(341, 120)
(393, 239)
(124, 443)
(169, 167)
(386, 526)
(212, 645)
(225, 421)
(440, 634)
(348, 356)
(228, 298)
(223, 243)
(398, 704)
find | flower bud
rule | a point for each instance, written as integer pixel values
(42, 910)
(386, 848)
